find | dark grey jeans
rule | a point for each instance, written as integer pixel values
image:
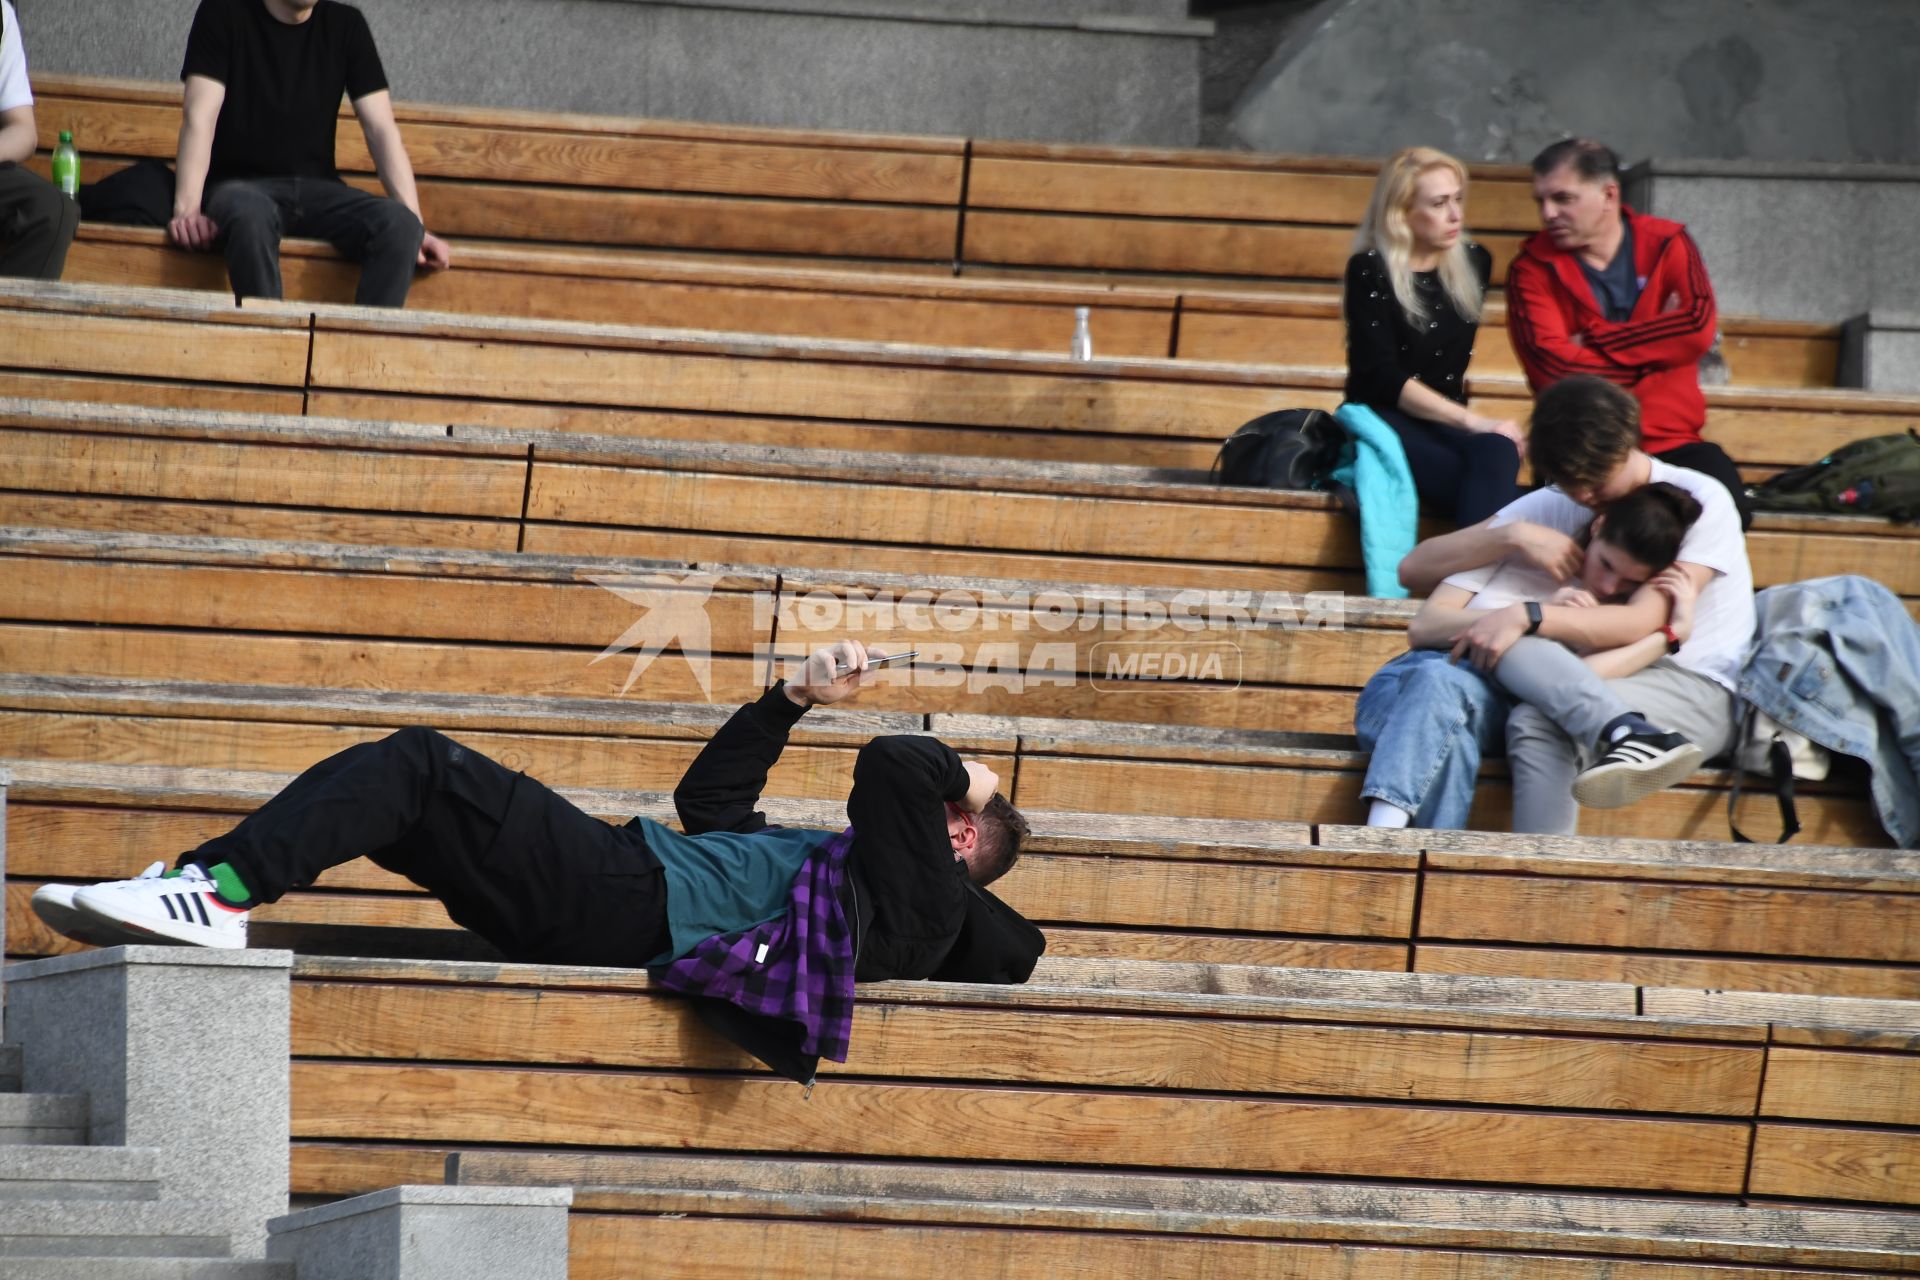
(381, 234)
(37, 223)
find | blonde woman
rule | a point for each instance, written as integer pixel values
(1414, 289)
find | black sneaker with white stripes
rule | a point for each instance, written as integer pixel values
(183, 909)
(1636, 765)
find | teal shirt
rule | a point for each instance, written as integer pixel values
(723, 882)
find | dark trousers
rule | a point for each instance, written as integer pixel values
(509, 859)
(380, 234)
(37, 222)
(1466, 475)
(1712, 460)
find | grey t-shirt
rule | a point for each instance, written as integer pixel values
(1616, 286)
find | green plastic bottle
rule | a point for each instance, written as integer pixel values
(66, 164)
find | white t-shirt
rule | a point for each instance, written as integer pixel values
(1723, 620)
(14, 91)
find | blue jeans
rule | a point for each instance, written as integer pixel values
(1427, 723)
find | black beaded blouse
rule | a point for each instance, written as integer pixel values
(1384, 348)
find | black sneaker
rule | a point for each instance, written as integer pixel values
(1636, 765)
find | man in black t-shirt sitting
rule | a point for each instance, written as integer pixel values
(263, 85)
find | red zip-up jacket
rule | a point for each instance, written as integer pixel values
(1655, 353)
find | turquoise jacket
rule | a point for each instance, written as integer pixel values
(1375, 467)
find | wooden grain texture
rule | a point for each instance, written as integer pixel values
(1252, 899)
(159, 395)
(1869, 1088)
(344, 1169)
(602, 1246)
(111, 344)
(207, 471)
(330, 1100)
(1215, 1055)
(399, 667)
(811, 389)
(1217, 948)
(267, 524)
(1826, 1162)
(611, 763)
(1807, 977)
(389, 604)
(1671, 917)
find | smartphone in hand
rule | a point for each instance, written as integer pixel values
(877, 661)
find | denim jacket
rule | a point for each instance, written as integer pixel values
(1838, 659)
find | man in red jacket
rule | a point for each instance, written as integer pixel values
(1606, 291)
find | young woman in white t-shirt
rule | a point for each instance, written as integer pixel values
(1427, 717)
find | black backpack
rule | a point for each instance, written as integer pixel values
(1288, 449)
(1879, 476)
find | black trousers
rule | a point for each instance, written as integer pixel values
(520, 866)
(382, 235)
(37, 222)
(1467, 475)
(1712, 460)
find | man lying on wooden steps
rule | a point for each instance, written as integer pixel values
(770, 926)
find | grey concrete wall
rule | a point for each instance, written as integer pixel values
(1794, 242)
(1881, 352)
(1120, 71)
(430, 1233)
(179, 1049)
(1825, 80)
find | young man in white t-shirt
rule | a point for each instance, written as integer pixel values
(37, 222)
(1584, 446)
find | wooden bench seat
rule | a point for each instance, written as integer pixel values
(690, 1207)
(1387, 1083)
(564, 494)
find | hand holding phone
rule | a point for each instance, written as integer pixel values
(877, 660)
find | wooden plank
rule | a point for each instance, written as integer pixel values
(1671, 917)
(785, 433)
(158, 395)
(814, 772)
(1825, 1162)
(393, 604)
(1876, 982)
(1869, 1088)
(1797, 1019)
(109, 344)
(601, 1246)
(1162, 1205)
(429, 1104)
(344, 1169)
(805, 388)
(401, 1023)
(303, 475)
(272, 524)
(1215, 948)
(1354, 904)
(400, 667)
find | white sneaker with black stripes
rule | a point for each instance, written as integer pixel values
(53, 903)
(182, 909)
(1636, 765)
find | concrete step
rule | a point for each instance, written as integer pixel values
(79, 1173)
(43, 1119)
(9, 1068)
(146, 1269)
(108, 1229)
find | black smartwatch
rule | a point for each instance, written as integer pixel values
(1533, 616)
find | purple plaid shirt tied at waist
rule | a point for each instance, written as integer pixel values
(797, 967)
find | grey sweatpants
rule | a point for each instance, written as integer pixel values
(1564, 706)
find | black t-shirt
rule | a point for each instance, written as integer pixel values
(1385, 347)
(284, 83)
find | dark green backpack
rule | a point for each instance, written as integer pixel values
(1879, 476)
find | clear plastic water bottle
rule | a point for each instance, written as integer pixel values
(66, 164)
(1082, 333)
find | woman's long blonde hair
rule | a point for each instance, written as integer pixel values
(1385, 229)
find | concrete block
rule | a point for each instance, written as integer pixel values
(1794, 241)
(80, 1173)
(430, 1233)
(96, 1229)
(146, 1269)
(1121, 71)
(43, 1119)
(8, 1070)
(179, 1049)
(1880, 351)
